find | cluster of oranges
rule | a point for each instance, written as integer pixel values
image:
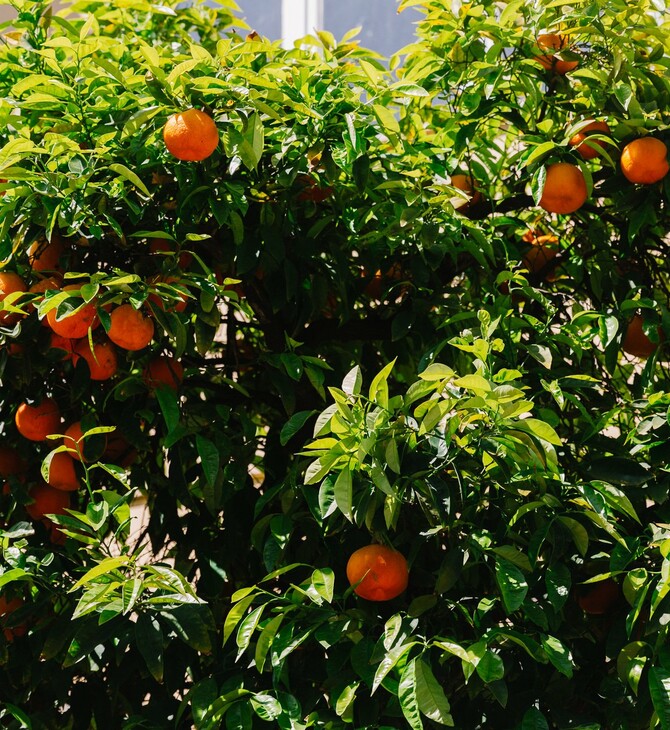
(74, 334)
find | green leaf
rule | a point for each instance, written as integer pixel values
(323, 581)
(408, 695)
(436, 371)
(247, 627)
(209, 458)
(293, 425)
(266, 707)
(106, 566)
(129, 175)
(534, 720)
(265, 639)
(379, 390)
(386, 119)
(512, 584)
(659, 689)
(490, 667)
(150, 643)
(389, 661)
(352, 382)
(540, 429)
(343, 492)
(559, 655)
(431, 698)
(346, 699)
(169, 405)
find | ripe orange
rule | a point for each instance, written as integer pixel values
(76, 324)
(39, 421)
(382, 572)
(312, 191)
(8, 607)
(543, 250)
(9, 284)
(593, 149)
(44, 255)
(165, 371)
(564, 188)
(63, 344)
(163, 245)
(635, 341)
(11, 462)
(130, 329)
(62, 474)
(376, 287)
(599, 598)
(83, 449)
(47, 501)
(469, 187)
(645, 160)
(119, 451)
(547, 42)
(191, 135)
(102, 361)
(178, 305)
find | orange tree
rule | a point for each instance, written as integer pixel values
(286, 300)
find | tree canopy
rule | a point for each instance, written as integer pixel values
(419, 303)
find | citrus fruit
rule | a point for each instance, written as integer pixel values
(543, 250)
(635, 341)
(39, 421)
(62, 474)
(84, 449)
(191, 135)
(599, 598)
(178, 305)
(378, 573)
(44, 255)
(7, 607)
(9, 284)
(130, 329)
(163, 371)
(11, 462)
(63, 347)
(564, 188)
(101, 359)
(47, 501)
(166, 246)
(593, 149)
(548, 42)
(468, 186)
(77, 323)
(645, 160)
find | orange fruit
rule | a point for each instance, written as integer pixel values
(130, 329)
(635, 341)
(62, 474)
(8, 607)
(37, 422)
(191, 135)
(382, 572)
(11, 462)
(599, 598)
(547, 42)
(311, 190)
(543, 250)
(47, 501)
(9, 284)
(564, 188)
(375, 288)
(593, 149)
(102, 361)
(178, 305)
(645, 160)
(76, 324)
(165, 371)
(119, 451)
(163, 245)
(83, 449)
(44, 255)
(63, 344)
(469, 187)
